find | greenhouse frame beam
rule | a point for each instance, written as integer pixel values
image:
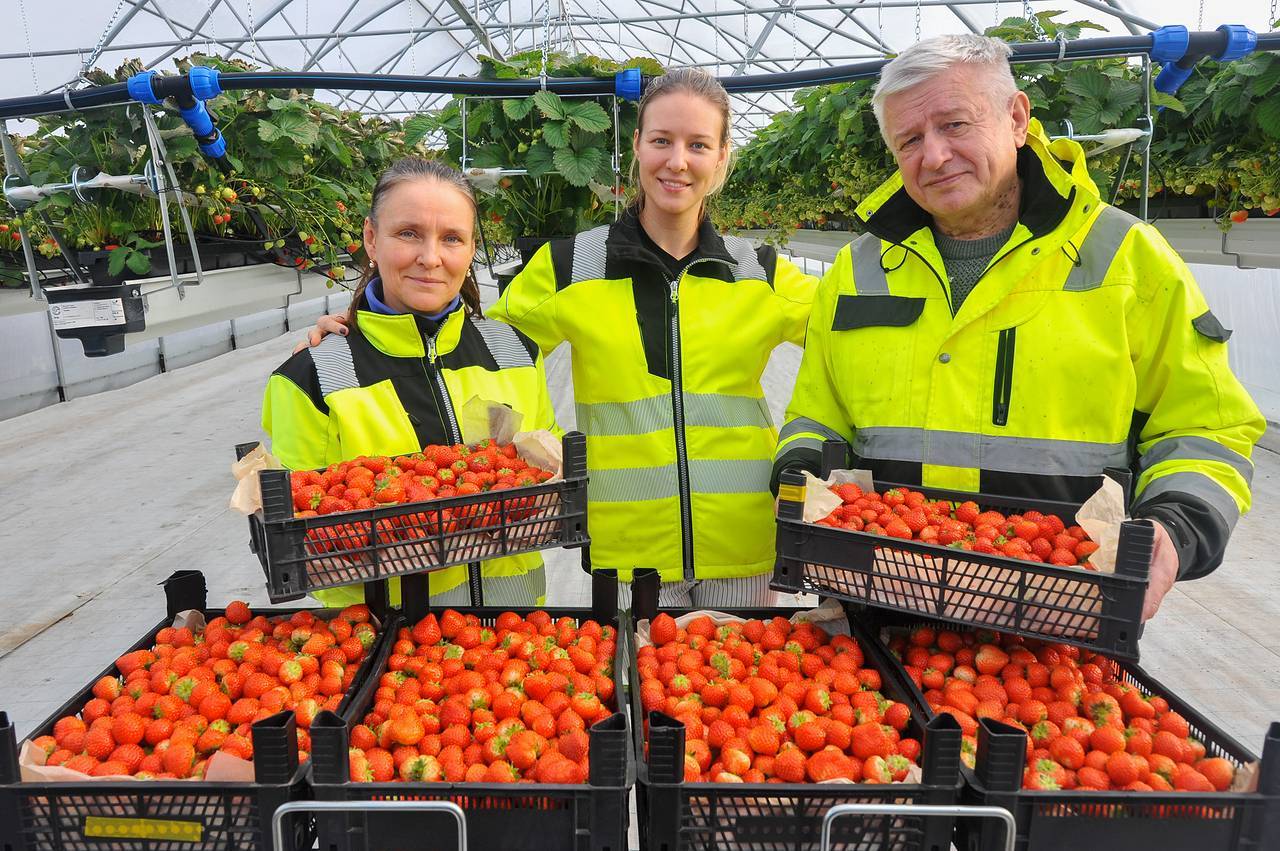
(968, 22)
(1129, 25)
(252, 32)
(136, 7)
(208, 13)
(464, 15)
(1116, 11)
(754, 51)
(311, 58)
(797, 10)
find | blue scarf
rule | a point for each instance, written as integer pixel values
(373, 295)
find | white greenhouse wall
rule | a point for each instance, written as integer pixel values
(1248, 302)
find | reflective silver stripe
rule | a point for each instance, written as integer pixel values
(990, 452)
(644, 416)
(334, 366)
(746, 262)
(1100, 247)
(589, 253)
(1193, 448)
(631, 484)
(505, 346)
(1197, 485)
(719, 410)
(516, 590)
(868, 274)
(751, 476)
(804, 425)
(743, 592)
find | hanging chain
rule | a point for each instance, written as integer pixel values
(546, 40)
(1041, 35)
(880, 25)
(253, 32)
(413, 54)
(917, 20)
(998, 13)
(1200, 18)
(26, 30)
(1271, 24)
(102, 40)
(795, 28)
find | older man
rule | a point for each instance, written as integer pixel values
(1000, 328)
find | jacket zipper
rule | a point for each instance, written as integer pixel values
(474, 582)
(450, 421)
(677, 410)
(1004, 377)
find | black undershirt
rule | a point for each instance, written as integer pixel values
(671, 264)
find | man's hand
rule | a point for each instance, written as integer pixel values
(1164, 571)
(330, 323)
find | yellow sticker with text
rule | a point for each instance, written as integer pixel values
(103, 827)
(791, 493)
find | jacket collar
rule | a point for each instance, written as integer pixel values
(627, 244)
(1055, 179)
(405, 335)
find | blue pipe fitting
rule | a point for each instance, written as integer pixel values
(205, 84)
(201, 124)
(628, 84)
(139, 86)
(1171, 77)
(1241, 41)
(1169, 44)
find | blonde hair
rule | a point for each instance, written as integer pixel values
(699, 83)
(926, 59)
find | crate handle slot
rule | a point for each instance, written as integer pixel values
(277, 818)
(917, 810)
(184, 590)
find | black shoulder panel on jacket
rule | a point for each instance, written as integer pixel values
(301, 370)
(562, 261)
(768, 257)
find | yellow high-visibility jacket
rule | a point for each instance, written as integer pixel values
(666, 378)
(394, 386)
(1085, 345)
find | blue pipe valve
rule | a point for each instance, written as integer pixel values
(1169, 46)
(628, 84)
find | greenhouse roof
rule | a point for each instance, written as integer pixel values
(50, 44)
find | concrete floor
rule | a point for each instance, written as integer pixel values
(107, 495)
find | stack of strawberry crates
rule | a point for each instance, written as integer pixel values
(539, 817)
(163, 814)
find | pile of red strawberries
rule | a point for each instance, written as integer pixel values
(467, 702)
(773, 702)
(194, 694)
(437, 472)
(1086, 727)
(910, 515)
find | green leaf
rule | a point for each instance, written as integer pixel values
(115, 263)
(549, 104)
(518, 110)
(556, 133)
(490, 156)
(138, 263)
(590, 116)
(538, 160)
(336, 148)
(1268, 116)
(578, 167)
(276, 104)
(1166, 100)
(268, 132)
(1087, 83)
(298, 127)
(417, 128)
(1265, 82)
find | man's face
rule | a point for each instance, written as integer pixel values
(956, 150)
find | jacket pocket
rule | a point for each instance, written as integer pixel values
(868, 311)
(1003, 392)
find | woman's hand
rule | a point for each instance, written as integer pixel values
(330, 323)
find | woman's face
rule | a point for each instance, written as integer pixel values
(679, 153)
(423, 243)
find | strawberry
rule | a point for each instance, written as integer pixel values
(662, 630)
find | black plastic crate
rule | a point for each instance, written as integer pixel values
(1117, 820)
(708, 816)
(512, 817)
(301, 555)
(164, 815)
(1100, 611)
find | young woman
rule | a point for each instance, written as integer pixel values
(671, 325)
(418, 348)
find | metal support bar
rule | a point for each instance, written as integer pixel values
(166, 181)
(277, 818)
(1149, 126)
(918, 810)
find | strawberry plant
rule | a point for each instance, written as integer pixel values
(566, 144)
(1212, 147)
